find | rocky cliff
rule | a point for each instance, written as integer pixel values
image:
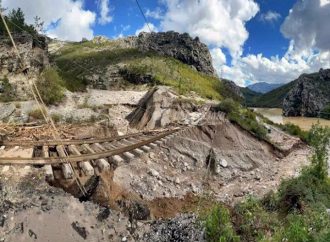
(309, 96)
(34, 57)
(32, 51)
(180, 46)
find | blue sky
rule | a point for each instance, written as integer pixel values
(250, 40)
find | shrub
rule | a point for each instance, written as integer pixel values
(228, 106)
(36, 113)
(218, 226)
(50, 86)
(7, 93)
(295, 130)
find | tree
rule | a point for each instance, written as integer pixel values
(38, 24)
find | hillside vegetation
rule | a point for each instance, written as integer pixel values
(296, 212)
(78, 61)
(272, 99)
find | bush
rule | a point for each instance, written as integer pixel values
(36, 113)
(218, 226)
(228, 106)
(7, 91)
(50, 86)
(295, 130)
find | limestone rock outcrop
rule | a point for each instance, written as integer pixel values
(309, 96)
(180, 46)
(32, 51)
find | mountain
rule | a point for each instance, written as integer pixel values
(149, 59)
(310, 95)
(264, 87)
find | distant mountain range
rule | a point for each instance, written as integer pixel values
(308, 95)
(264, 87)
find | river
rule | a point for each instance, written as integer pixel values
(305, 123)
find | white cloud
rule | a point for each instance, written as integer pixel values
(270, 16)
(309, 50)
(64, 19)
(145, 28)
(308, 25)
(219, 23)
(257, 68)
(105, 17)
(219, 58)
(155, 14)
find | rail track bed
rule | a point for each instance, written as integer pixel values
(87, 157)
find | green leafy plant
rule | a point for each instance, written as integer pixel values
(218, 226)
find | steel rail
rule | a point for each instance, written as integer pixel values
(79, 158)
(28, 143)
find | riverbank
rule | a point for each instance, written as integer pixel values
(305, 123)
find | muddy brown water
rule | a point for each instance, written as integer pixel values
(305, 123)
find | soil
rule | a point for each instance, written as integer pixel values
(155, 197)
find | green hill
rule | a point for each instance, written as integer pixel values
(82, 64)
(272, 99)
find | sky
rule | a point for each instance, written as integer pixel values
(250, 41)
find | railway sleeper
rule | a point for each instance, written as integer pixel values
(102, 164)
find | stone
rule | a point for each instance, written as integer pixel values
(6, 109)
(179, 46)
(80, 229)
(153, 173)
(223, 163)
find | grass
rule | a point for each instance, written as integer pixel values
(77, 61)
(295, 213)
(171, 72)
(244, 117)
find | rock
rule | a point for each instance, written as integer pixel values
(181, 228)
(103, 214)
(6, 109)
(124, 239)
(153, 173)
(80, 229)
(32, 234)
(180, 46)
(160, 107)
(309, 95)
(138, 211)
(223, 163)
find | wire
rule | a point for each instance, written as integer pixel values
(144, 16)
(38, 99)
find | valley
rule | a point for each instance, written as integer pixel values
(137, 138)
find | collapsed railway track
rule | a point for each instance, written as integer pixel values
(89, 156)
